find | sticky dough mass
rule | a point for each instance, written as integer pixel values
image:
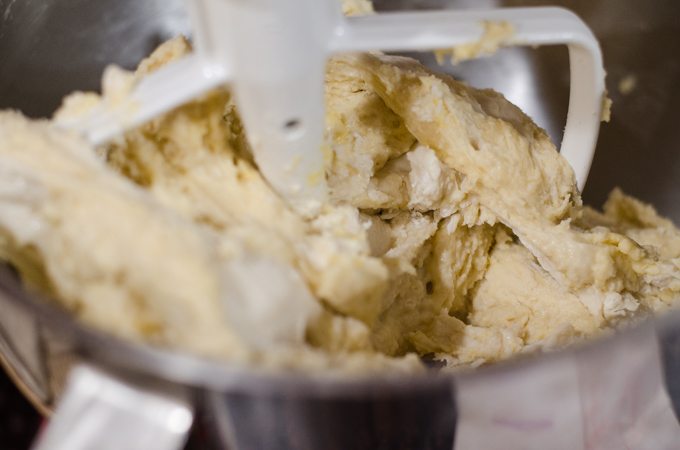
(452, 227)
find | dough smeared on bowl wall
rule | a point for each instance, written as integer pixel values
(453, 227)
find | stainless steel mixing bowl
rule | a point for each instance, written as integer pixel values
(49, 48)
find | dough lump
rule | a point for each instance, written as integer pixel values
(453, 228)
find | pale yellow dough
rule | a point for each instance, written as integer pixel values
(496, 35)
(453, 227)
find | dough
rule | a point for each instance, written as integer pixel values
(453, 228)
(496, 35)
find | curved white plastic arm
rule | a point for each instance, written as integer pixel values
(153, 95)
(274, 53)
(533, 26)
